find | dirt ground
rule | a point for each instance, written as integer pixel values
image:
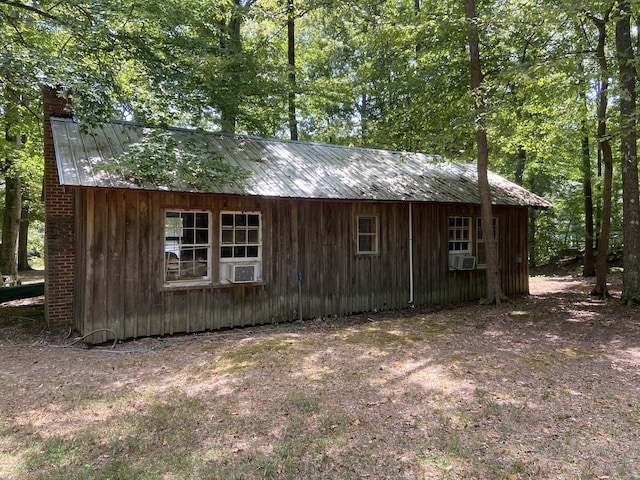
(545, 386)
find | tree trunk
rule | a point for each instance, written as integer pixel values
(291, 35)
(533, 215)
(606, 157)
(233, 45)
(628, 150)
(417, 8)
(23, 250)
(589, 267)
(494, 288)
(520, 165)
(602, 268)
(11, 227)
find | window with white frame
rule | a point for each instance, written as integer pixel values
(187, 246)
(240, 247)
(368, 234)
(481, 249)
(459, 235)
(240, 235)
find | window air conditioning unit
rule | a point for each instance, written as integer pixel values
(243, 273)
(462, 262)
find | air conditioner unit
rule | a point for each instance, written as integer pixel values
(462, 262)
(243, 273)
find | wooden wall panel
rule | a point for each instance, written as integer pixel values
(121, 245)
(132, 280)
(145, 291)
(97, 311)
(81, 265)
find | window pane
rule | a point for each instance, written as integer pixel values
(171, 261)
(227, 236)
(226, 252)
(173, 224)
(253, 236)
(202, 220)
(240, 220)
(186, 254)
(239, 252)
(202, 236)
(227, 220)
(252, 252)
(365, 225)
(365, 243)
(241, 236)
(188, 218)
(253, 220)
(188, 235)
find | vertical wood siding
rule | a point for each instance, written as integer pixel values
(121, 260)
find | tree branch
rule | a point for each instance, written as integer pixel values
(29, 8)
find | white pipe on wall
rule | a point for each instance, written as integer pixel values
(410, 256)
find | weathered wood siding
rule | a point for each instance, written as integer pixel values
(436, 283)
(120, 288)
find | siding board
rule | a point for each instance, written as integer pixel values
(98, 308)
(114, 286)
(130, 262)
(144, 262)
(81, 261)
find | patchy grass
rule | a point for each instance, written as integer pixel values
(543, 387)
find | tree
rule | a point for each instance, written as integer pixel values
(604, 145)
(629, 158)
(494, 288)
(291, 50)
(371, 73)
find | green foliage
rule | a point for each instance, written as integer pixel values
(166, 158)
(374, 73)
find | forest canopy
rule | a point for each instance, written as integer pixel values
(373, 73)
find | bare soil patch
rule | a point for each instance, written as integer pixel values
(546, 386)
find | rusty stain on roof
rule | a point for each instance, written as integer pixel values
(289, 169)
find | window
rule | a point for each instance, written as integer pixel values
(240, 247)
(240, 236)
(367, 234)
(481, 249)
(459, 235)
(187, 246)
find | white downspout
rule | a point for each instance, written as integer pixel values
(410, 256)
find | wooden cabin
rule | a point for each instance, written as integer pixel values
(312, 231)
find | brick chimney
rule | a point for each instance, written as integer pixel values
(59, 225)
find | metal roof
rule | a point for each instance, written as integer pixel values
(288, 169)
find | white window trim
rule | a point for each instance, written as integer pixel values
(469, 240)
(259, 244)
(226, 263)
(197, 280)
(375, 235)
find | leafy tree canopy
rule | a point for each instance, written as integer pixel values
(166, 158)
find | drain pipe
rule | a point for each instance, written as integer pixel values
(410, 255)
(300, 296)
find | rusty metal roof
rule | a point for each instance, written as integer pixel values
(288, 169)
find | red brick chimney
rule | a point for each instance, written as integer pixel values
(59, 225)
